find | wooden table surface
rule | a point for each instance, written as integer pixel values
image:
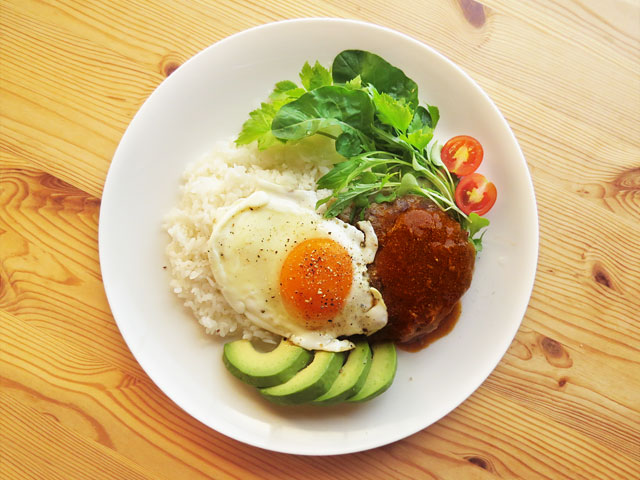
(564, 402)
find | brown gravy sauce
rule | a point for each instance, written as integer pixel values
(446, 325)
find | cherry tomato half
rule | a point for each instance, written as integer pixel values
(462, 155)
(476, 194)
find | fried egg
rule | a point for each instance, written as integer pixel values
(294, 273)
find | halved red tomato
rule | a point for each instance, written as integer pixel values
(476, 194)
(462, 155)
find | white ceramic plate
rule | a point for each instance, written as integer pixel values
(207, 99)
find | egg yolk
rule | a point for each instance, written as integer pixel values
(315, 280)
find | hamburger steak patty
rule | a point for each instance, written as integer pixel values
(423, 266)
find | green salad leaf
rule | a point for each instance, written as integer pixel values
(315, 77)
(284, 87)
(434, 115)
(258, 127)
(324, 107)
(284, 92)
(371, 109)
(354, 84)
(374, 70)
(474, 223)
(348, 144)
(390, 111)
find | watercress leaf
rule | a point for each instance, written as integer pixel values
(315, 77)
(258, 127)
(391, 111)
(381, 168)
(323, 107)
(361, 201)
(418, 164)
(425, 117)
(420, 119)
(368, 177)
(354, 84)
(477, 244)
(376, 71)
(434, 155)
(474, 223)
(348, 144)
(381, 197)
(408, 185)
(434, 113)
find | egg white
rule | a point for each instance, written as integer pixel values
(249, 243)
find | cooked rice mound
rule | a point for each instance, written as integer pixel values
(227, 174)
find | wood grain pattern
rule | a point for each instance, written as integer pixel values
(563, 403)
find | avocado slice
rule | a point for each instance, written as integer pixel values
(309, 383)
(381, 374)
(264, 369)
(352, 375)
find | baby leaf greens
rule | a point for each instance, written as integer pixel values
(376, 71)
(371, 109)
(315, 77)
(321, 108)
(258, 127)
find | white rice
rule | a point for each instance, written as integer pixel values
(222, 177)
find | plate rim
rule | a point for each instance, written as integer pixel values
(109, 187)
